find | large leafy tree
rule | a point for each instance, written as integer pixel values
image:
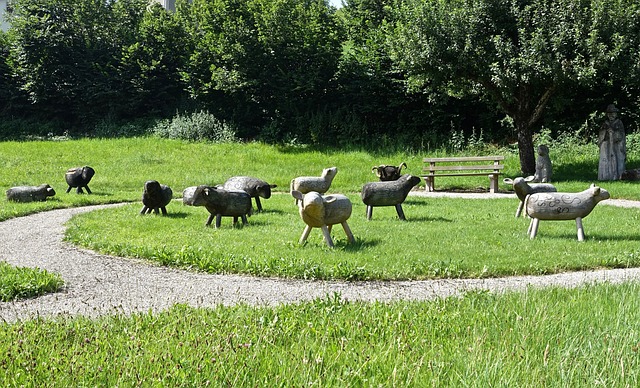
(66, 53)
(516, 53)
(272, 59)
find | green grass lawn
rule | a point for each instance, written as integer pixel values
(123, 165)
(442, 237)
(586, 337)
(22, 282)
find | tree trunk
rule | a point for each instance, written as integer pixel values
(525, 149)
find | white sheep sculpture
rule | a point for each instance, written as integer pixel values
(321, 184)
(324, 211)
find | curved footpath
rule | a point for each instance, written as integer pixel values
(97, 284)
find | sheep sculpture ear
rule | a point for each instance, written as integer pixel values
(330, 198)
(273, 186)
(529, 178)
(297, 195)
(508, 181)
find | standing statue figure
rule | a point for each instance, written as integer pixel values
(544, 169)
(613, 148)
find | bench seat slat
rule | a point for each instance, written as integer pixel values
(460, 168)
(464, 159)
(458, 174)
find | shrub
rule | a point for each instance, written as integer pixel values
(196, 127)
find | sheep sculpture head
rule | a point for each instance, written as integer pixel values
(388, 173)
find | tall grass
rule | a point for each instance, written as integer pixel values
(589, 336)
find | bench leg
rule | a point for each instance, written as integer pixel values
(428, 180)
(493, 183)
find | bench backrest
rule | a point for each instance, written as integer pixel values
(463, 163)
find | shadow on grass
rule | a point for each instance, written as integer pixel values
(358, 245)
(577, 171)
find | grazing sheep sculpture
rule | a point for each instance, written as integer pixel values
(321, 184)
(522, 188)
(79, 177)
(388, 173)
(255, 187)
(390, 193)
(563, 206)
(222, 203)
(30, 193)
(323, 211)
(155, 197)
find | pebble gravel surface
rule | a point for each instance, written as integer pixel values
(97, 284)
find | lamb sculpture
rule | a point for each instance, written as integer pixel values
(522, 187)
(220, 203)
(79, 177)
(155, 197)
(390, 193)
(30, 193)
(323, 211)
(563, 206)
(321, 184)
(255, 187)
(388, 173)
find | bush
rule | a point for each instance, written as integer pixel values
(196, 127)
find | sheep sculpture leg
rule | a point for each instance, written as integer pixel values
(580, 229)
(533, 228)
(326, 233)
(400, 212)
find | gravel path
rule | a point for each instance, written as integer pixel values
(97, 284)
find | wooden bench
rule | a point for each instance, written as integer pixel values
(463, 166)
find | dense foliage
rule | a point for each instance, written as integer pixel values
(373, 73)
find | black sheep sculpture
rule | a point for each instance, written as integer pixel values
(79, 177)
(155, 197)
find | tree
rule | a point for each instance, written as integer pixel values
(271, 58)
(516, 53)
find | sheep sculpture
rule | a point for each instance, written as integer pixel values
(30, 193)
(79, 177)
(390, 193)
(388, 173)
(321, 184)
(324, 211)
(563, 206)
(155, 197)
(220, 203)
(522, 188)
(255, 187)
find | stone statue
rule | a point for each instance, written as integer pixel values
(544, 170)
(613, 148)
